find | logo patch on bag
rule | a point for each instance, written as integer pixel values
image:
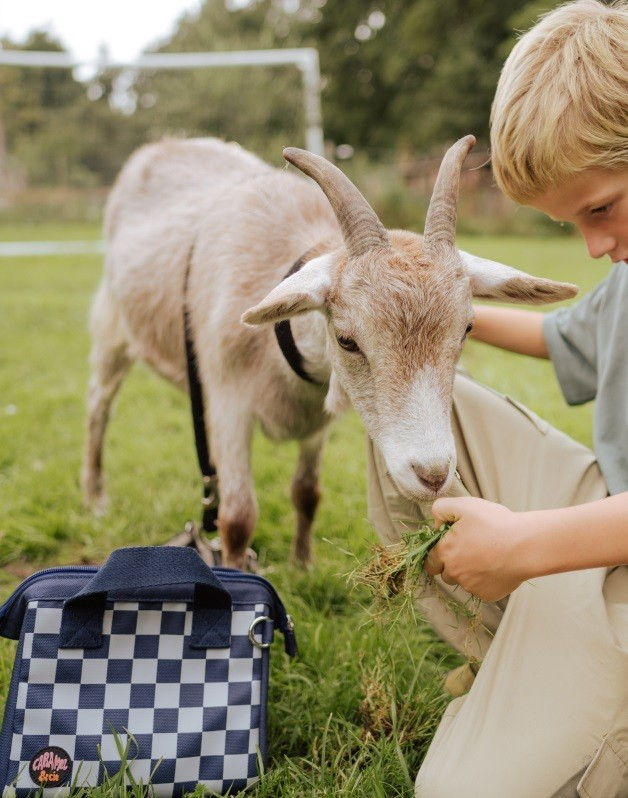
(50, 767)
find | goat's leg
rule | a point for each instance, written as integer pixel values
(306, 495)
(110, 361)
(230, 425)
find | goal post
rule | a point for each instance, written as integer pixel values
(304, 58)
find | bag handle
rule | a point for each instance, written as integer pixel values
(145, 567)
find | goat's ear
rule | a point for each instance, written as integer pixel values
(305, 290)
(491, 280)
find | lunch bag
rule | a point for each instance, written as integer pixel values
(155, 657)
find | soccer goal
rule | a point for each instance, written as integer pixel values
(305, 59)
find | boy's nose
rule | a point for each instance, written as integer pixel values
(599, 244)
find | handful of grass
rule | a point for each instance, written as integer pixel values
(398, 570)
(396, 578)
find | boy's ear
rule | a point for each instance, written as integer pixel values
(491, 280)
(305, 290)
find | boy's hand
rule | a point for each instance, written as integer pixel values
(479, 551)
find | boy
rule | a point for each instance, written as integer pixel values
(547, 714)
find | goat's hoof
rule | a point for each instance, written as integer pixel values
(97, 505)
(239, 563)
(304, 562)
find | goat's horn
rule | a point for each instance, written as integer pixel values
(361, 229)
(440, 222)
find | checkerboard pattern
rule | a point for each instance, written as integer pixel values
(193, 714)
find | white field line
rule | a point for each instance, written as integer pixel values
(18, 249)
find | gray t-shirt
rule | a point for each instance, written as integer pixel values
(587, 343)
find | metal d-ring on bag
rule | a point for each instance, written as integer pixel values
(155, 652)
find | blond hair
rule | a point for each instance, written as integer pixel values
(561, 104)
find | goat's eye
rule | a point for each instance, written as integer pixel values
(347, 343)
(468, 330)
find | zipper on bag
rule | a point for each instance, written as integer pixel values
(282, 619)
(5, 609)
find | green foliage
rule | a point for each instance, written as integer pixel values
(53, 132)
(354, 714)
(28, 96)
(260, 108)
(433, 68)
(31, 100)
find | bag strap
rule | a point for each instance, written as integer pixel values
(210, 499)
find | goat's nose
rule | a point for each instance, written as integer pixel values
(431, 478)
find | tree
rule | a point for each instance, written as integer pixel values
(30, 98)
(262, 108)
(397, 75)
(410, 73)
(53, 130)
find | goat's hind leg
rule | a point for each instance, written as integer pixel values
(110, 361)
(306, 496)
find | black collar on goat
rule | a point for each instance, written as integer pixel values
(283, 332)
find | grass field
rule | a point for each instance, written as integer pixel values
(355, 713)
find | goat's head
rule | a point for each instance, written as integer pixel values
(398, 309)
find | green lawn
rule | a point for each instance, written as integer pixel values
(354, 714)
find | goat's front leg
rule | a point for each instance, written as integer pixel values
(230, 425)
(306, 495)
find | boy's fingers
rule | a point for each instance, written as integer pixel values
(448, 579)
(446, 511)
(433, 563)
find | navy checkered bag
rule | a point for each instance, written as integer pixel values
(154, 651)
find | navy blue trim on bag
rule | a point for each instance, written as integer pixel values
(143, 567)
(57, 583)
(9, 712)
(12, 611)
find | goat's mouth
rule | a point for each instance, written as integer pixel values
(421, 493)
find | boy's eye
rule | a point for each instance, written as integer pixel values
(601, 209)
(347, 343)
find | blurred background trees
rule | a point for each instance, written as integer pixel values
(400, 80)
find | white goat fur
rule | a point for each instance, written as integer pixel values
(243, 224)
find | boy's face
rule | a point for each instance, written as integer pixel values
(596, 201)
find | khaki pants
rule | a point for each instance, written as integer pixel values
(548, 712)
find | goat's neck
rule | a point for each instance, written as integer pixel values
(309, 332)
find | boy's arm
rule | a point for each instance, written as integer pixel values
(510, 328)
(585, 536)
(491, 550)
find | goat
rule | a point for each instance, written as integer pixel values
(393, 310)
